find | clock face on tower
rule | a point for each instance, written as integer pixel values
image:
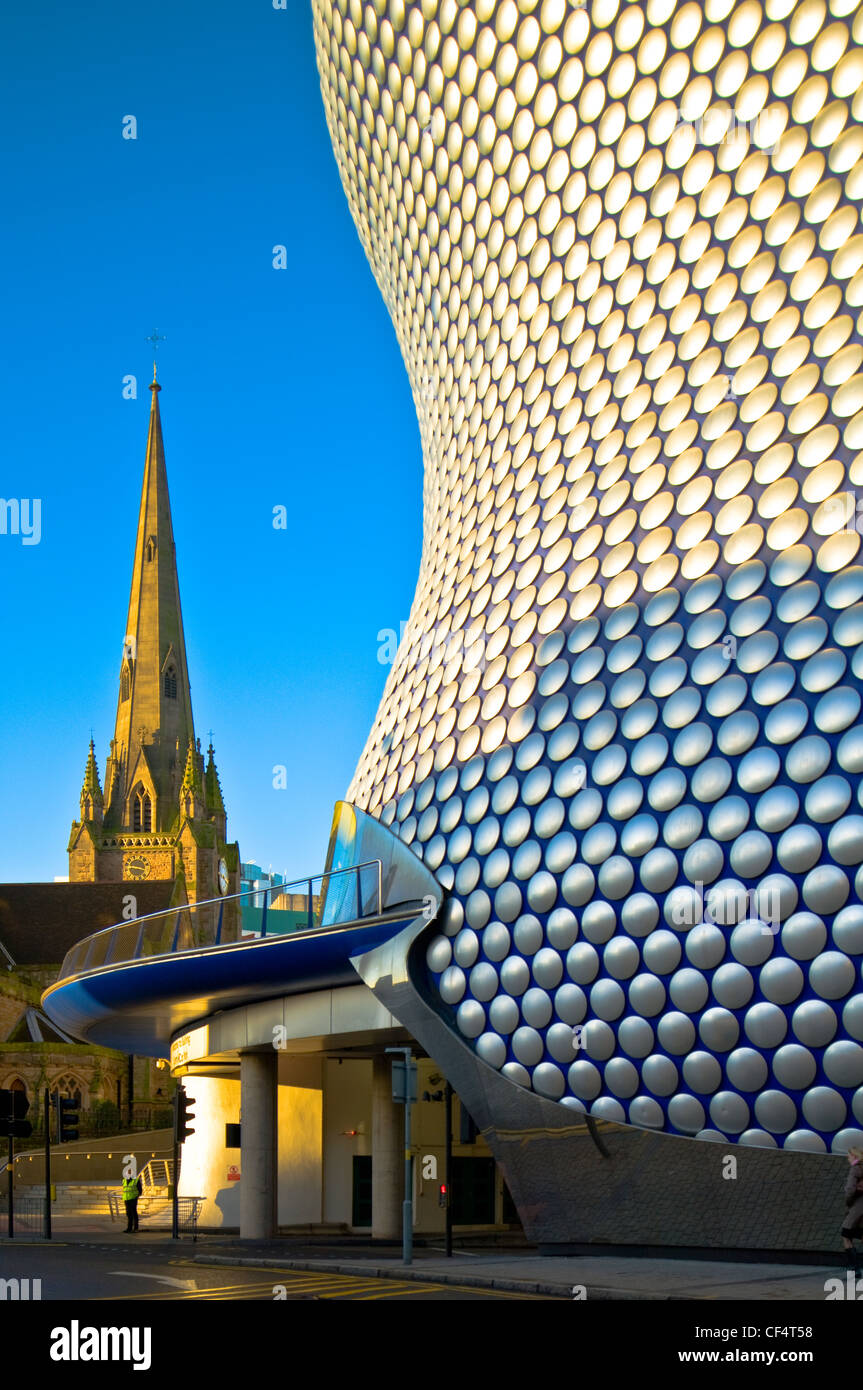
(224, 881)
(138, 868)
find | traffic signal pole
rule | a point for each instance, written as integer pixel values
(448, 1167)
(408, 1205)
(13, 1107)
(47, 1222)
(10, 1225)
(184, 1113)
(175, 1201)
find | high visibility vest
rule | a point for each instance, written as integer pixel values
(130, 1189)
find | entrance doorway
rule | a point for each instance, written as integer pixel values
(361, 1203)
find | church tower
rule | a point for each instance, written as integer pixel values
(161, 815)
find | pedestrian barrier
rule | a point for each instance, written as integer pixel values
(156, 1211)
(29, 1215)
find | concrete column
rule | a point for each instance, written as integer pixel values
(387, 1154)
(258, 1166)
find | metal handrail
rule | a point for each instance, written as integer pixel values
(235, 897)
(88, 944)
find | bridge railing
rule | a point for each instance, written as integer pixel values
(321, 902)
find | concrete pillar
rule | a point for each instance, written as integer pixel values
(387, 1154)
(258, 1166)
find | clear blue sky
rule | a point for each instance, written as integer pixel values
(279, 387)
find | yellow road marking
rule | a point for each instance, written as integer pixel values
(399, 1293)
(364, 1289)
(431, 1284)
(161, 1293)
(325, 1285)
(327, 1288)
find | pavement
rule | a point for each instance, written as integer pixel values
(602, 1276)
(592, 1277)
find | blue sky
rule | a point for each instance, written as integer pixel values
(279, 387)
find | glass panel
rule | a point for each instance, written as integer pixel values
(185, 936)
(89, 948)
(288, 909)
(74, 960)
(125, 941)
(158, 935)
(368, 890)
(340, 897)
(204, 921)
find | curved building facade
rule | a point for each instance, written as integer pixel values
(621, 248)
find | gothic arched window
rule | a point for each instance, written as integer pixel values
(67, 1086)
(142, 810)
(124, 683)
(171, 683)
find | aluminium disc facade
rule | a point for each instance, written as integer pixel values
(622, 250)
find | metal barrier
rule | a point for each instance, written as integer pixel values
(28, 1216)
(157, 1172)
(189, 1207)
(156, 1212)
(343, 895)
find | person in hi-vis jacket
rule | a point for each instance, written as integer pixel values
(131, 1193)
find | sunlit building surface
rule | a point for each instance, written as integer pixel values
(622, 252)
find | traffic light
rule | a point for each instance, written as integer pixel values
(67, 1119)
(184, 1112)
(13, 1107)
(443, 1195)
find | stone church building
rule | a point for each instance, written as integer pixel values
(154, 837)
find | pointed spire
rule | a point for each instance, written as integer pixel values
(91, 801)
(192, 774)
(154, 678)
(92, 788)
(212, 787)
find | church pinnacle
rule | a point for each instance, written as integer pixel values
(91, 791)
(212, 786)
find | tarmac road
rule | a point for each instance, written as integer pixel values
(142, 1272)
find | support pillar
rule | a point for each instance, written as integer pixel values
(387, 1154)
(258, 1160)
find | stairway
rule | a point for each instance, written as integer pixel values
(79, 1199)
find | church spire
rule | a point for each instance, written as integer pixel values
(91, 791)
(154, 711)
(192, 774)
(215, 806)
(212, 787)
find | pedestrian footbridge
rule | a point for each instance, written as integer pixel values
(135, 985)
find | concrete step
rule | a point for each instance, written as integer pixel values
(92, 1199)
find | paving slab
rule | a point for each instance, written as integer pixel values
(594, 1277)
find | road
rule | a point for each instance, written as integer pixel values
(144, 1273)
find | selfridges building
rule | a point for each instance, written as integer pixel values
(622, 251)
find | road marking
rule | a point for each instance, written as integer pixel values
(304, 1283)
(284, 1275)
(190, 1290)
(162, 1278)
(400, 1293)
